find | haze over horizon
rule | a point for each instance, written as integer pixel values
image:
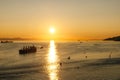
(71, 19)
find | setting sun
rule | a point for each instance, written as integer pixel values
(52, 30)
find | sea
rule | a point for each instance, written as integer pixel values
(61, 60)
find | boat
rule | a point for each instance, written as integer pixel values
(29, 49)
(6, 41)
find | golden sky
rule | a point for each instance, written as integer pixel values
(72, 19)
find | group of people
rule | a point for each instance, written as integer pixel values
(28, 49)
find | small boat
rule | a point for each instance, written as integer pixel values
(6, 41)
(29, 49)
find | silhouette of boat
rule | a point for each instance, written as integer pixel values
(6, 41)
(29, 49)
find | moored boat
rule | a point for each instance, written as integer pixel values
(6, 41)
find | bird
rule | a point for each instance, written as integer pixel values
(68, 58)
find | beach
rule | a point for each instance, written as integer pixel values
(89, 60)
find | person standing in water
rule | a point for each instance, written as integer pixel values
(110, 55)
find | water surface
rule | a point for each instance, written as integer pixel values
(88, 61)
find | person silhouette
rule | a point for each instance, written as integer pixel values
(86, 57)
(110, 55)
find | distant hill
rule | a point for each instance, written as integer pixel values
(116, 38)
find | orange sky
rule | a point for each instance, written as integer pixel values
(72, 19)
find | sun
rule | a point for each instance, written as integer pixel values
(52, 30)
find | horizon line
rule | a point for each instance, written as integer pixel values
(69, 39)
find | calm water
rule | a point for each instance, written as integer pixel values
(45, 63)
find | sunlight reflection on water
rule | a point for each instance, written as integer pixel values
(52, 62)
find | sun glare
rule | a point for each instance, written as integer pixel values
(52, 30)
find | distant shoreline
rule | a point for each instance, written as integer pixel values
(15, 39)
(116, 38)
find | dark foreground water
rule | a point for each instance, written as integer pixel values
(88, 61)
